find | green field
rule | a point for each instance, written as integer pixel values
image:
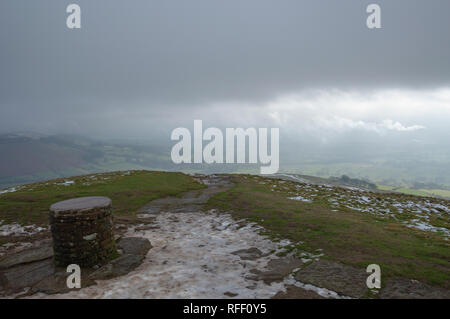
(417, 192)
(128, 191)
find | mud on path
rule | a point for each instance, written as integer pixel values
(190, 201)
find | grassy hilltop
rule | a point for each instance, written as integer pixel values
(357, 228)
(128, 190)
(406, 235)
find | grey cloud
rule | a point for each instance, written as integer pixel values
(188, 52)
(141, 68)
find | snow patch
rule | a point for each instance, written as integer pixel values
(300, 198)
(8, 190)
(66, 183)
(295, 178)
(17, 229)
(192, 257)
(416, 223)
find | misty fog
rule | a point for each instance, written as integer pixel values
(340, 93)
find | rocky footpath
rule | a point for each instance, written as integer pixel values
(200, 254)
(33, 271)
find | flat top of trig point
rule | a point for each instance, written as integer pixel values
(81, 203)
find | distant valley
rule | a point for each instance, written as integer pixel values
(30, 157)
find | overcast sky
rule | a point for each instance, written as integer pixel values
(138, 69)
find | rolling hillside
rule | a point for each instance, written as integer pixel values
(313, 227)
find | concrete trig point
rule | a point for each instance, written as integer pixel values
(82, 230)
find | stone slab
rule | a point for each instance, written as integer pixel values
(343, 279)
(81, 203)
(26, 256)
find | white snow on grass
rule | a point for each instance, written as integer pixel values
(8, 190)
(418, 213)
(295, 178)
(192, 257)
(301, 199)
(416, 223)
(66, 183)
(356, 189)
(320, 291)
(439, 207)
(18, 230)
